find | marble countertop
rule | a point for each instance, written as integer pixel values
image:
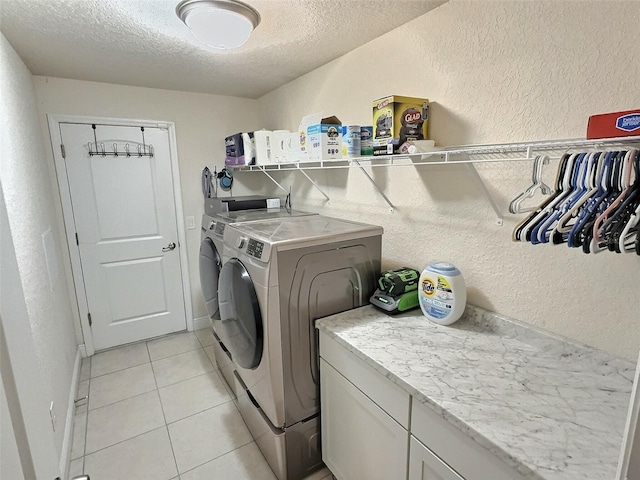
(548, 408)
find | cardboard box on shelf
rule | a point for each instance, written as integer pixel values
(616, 124)
(324, 139)
(397, 120)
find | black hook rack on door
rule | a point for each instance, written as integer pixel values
(141, 149)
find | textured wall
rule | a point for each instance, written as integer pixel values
(496, 72)
(10, 466)
(26, 391)
(29, 199)
(202, 121)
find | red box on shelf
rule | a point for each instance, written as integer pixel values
(616, 124)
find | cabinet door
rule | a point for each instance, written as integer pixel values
(425, 465)
(359, 440)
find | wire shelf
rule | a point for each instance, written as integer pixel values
(522, 151)
(468, 155)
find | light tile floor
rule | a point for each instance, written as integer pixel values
(159, 410)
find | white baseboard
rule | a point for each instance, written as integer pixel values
(201, 322)
(65, 456)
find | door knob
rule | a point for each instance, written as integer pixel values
(169, 247)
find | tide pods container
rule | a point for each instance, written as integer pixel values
(442, 293)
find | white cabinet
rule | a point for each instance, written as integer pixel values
(425, 465)
(460, 452)
(359, 440)
(382, 391)
(367, 432)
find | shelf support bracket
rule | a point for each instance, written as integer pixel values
(315, 185)
(483, 187)
(373, 182)
(274, 181)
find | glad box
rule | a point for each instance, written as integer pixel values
(397, 120)
(617, 124)
(324, 139)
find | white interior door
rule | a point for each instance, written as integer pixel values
(125, 219)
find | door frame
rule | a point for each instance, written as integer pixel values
(76, 284)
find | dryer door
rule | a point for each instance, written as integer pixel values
(240, 324)
(210, 266)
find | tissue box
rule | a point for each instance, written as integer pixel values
(397, 120)
(617, 124)
(324, 139)
(239, 149)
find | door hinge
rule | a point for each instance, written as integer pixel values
(64, 154)
(77, 241)
(89, 317)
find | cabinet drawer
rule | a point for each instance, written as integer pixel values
(425, 465)
(389, 396)
(359, 440)
(456, 449)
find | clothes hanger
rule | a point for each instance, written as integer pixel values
(611, 192)
(537, 183)
(621, 190)
(624, 234)
(618, 232)
(522, 230)
(589, 187)
(586, 233)
(628, 237)
(593, 198)
(616, 209)
(576, 235)
(542, 231)
(565, 190)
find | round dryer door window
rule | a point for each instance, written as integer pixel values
(210, 266)
(240, 324)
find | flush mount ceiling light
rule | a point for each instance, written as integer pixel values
(223, 24)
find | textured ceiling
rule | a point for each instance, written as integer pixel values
(143, 43)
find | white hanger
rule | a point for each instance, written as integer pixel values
(536, 178)
(528, 223)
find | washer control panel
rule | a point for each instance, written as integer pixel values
(239, 244)
(219, 229)
(255, 248)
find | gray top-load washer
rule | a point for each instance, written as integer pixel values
(277, 278)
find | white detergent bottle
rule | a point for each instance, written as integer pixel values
(442, 293)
